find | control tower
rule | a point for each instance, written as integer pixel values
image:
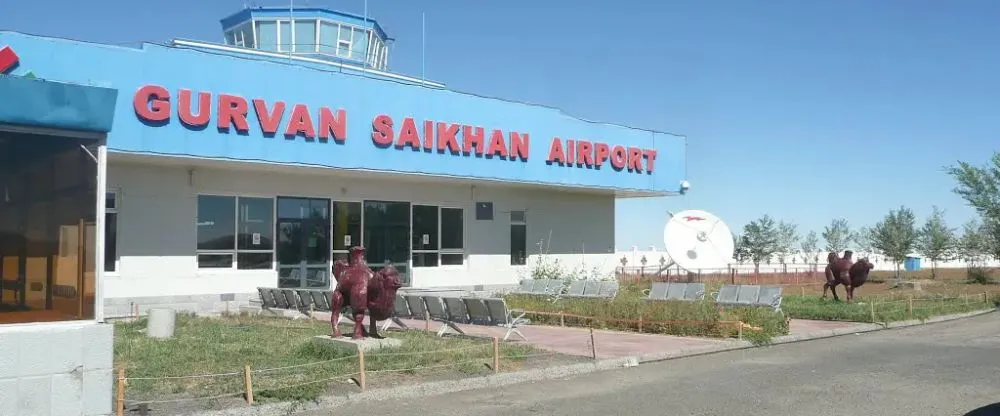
(306, 32)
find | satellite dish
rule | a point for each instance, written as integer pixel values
(696, 239)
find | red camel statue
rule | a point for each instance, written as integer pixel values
(842, 271)
(364, 291)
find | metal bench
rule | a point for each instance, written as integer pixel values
(266, 298)
(505, 317)
(750, 295)
(436, 311)
(457, 312)
(681, 291)
(417, 308)
(478, 313)
(400, 309)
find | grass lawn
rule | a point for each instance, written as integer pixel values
(288, 363)
(888, 307)
(685, 318)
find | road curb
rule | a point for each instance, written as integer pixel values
(429, 389)
(788, 339)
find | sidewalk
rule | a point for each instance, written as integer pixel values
(614, 344)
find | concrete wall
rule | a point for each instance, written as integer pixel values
(57, 369)
(157, 231)
(634, 257)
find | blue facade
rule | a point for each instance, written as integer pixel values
(49, 104)
(361, 98)
(911, 264)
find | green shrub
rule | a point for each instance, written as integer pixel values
(658, 317)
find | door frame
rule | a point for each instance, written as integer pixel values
(302, 266)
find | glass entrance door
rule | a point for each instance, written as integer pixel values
(303, 249)
(387, 236)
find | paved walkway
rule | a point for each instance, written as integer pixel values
(610, 344)
(939, 369)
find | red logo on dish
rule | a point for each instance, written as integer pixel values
(690, 218)
(7, 59)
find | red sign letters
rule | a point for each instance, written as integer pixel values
(154, 106)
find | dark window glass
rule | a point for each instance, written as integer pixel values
(253, 261)
(110, 201)
(387, 232)
(484, 211)
(216, 222)
(110, 241)
(215, 261)
(425, 259)
(518, 244)
(256, 231)
(452, 228)
(452, 259)
(346, 225)
(518, 216)
(425, 227)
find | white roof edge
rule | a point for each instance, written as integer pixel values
(257, 52)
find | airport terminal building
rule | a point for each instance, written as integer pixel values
(190, 173)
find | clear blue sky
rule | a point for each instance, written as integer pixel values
(761, 88)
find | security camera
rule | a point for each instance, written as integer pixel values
(685, 185)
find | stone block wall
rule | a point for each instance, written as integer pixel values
(56, 369)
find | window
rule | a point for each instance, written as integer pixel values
(235, 230)
(328, 37)
(111, 232)
(438, 236)
(267, 35)
(305, 36)
(344, 42)
(346, 227)
(518, 238)
(285, 39)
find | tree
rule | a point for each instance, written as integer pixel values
(862, 239)
(788, 237)
(740, 252)
(809, 246)
(973, 245)
(837, 235)
(761, 240)
(935, 240)
(979, 186)
(895, 235)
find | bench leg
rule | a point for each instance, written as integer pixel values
(449, 325)
(511, 329)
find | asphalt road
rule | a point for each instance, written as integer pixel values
(939, 369)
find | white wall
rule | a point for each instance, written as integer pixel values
(653, 254)
(157, 231)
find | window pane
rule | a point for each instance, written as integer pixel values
(267, 36)
(110, 241)
(517, 216)
(253, 261)
(110, 201)
(518, 244)
(425, 227)
(328, 38)
(346, 225)
(305, 36)
(285, 40)
(216, 222)
(425, 259)
(255, 228)
(345, 34)
(387, 232)
(215, 261)
(359, 46)
(247, 31)
(452, 228)
(452, 259)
